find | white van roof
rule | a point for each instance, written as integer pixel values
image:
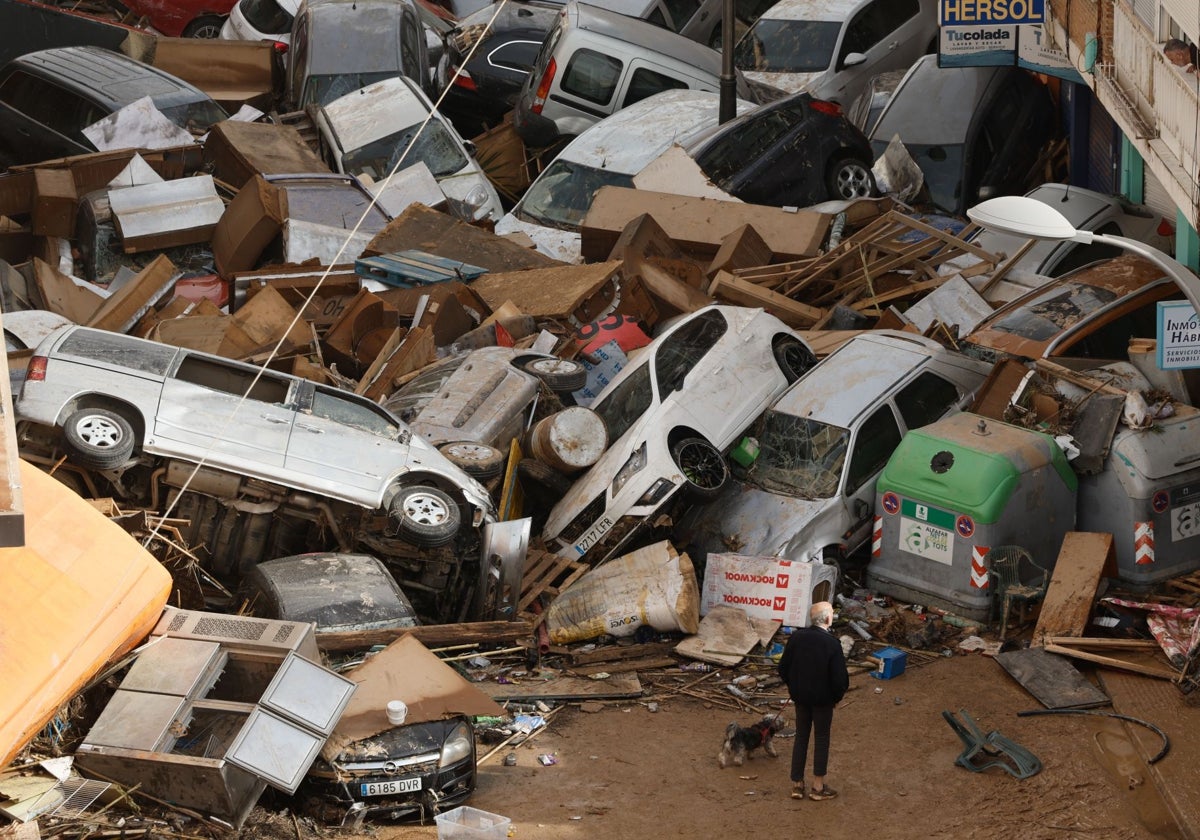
(830, 10)
(643, 34)
(632, 137)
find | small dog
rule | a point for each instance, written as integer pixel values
(741, 741)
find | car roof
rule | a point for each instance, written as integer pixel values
(830, 10)
(852, 378)
(644, 35)
(107, 75)
(369, 25)
(935, 104)
(369, 113)
(632, 137)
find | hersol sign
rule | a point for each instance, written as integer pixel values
(990, 12)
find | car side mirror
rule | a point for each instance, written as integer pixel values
(853, 59)
(861, 509)
(470, 147)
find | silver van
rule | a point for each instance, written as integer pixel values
(595, 62)
(340, 46)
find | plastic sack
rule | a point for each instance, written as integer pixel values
(653, 586)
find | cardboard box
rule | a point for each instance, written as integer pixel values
(699, 225)
(766, 587)
(237, 151)
(248, 225)
(54, 203)
(234, 73)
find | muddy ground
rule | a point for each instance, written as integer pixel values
(626, 772)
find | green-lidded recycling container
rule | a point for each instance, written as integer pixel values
(952, 491)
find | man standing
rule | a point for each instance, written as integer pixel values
(813, 668)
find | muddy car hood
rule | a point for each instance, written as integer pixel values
(748, 520)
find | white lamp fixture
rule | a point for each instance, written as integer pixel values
(1020, 215)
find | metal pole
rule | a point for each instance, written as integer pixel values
(728, 108)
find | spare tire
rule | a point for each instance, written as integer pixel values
(475, 459)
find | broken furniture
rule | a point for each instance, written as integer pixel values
(214, 709)
(981, 752)
(406, 269)
(1019, 581)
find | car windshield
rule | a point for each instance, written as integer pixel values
(560, 198)
(788, 46)
(409, 400)
(942, 166)
(434, 147)
(624, 404)
(197, 117)
(1053, 313)
(798, 456)
(324, 88)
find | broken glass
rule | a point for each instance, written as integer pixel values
(798, 456)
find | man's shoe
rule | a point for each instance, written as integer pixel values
(824, 793)
(798, 790)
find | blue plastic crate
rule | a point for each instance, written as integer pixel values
(891, 663)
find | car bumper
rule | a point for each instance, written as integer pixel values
(381, 795)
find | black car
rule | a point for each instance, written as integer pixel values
(480, 91)
(48, 97)
(794, 152)
(415, 770)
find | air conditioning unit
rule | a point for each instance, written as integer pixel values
(241, 633)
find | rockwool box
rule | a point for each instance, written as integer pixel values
(766, 587)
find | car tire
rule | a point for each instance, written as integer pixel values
(205, 26)
(562, 376)
(703, 466)
(99, 439)
(425, 516)
(793, 357)
(477, 460)
(544, 475)
(848, 177)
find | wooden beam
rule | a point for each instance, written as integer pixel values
(744, 293)
(433, 635)
(1111, 662)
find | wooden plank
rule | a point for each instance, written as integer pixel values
(744, 293)
(1096, 642)
(874, 301)
(431, 635)
(1053, 681)
(645, 663)
(1076, 576)
(1161, 673)
(565, 688)
(614, 653)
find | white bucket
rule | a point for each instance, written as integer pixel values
(397, 711)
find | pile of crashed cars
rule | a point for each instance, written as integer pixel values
(378, 378)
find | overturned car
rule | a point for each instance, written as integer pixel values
(261, 463)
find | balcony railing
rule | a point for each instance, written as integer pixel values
(1164, 100)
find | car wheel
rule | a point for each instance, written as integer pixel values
(544, 475)
(99, 439)
(850, 178)
(702, 466)
(205, 26)
(425, 516)
(560, 375)
(475, 459)
(793, 358)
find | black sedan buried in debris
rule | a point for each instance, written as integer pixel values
(793, 152)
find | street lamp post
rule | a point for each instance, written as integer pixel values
(1020, 215)
(727, 108)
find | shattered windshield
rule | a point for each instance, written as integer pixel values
(434, 147)
(1055, 312)
(197, 117)
(788, 46)
(560, 198)
(622, 406)
(410, 400)
(798, 456)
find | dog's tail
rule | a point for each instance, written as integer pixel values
(731, 730)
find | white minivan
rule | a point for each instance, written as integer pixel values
(595, 62)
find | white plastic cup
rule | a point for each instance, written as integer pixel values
(397, 711)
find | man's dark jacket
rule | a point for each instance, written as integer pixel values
(814, 668)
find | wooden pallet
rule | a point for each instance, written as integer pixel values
(547, 574)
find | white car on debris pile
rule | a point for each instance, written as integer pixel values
(670, 414)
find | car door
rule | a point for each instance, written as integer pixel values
(226, 413)
(645, 79)
(883, 31)
(41, 120)
(344, 445)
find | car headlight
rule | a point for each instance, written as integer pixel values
(457, 746)
(477, 197)
(632, 467)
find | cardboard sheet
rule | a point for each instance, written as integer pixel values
(405, 670)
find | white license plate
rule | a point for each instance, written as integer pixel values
(389, 788)
(593, 536)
